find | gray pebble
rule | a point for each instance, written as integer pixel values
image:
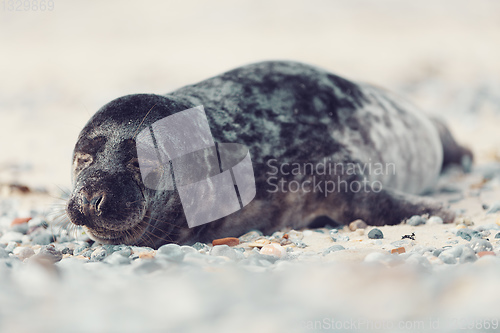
(256, 255)
(202, 247)
(98, 254)
(358, 224)
(147, 266)
(415, 220)
(80, 248)
(11, 236)
(21, 228)
(447, 258)
(117, 259)
(171, 252)
(467, 255)
(189, 249)
(479, 245)
(49, 252)
(87, 253)
(43, 239)
(437, 252)
(3, 254)
(123, 250)
(375, 234)
(495, 208)
(10, 247)
(301, 244)
(226, 251)
(333, 248)
(249, 236)
(468, 234)
(23, 252)
(336, 237)
(435, 220)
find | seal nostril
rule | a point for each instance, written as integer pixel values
(97, 203)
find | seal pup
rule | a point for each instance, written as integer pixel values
(289, 115)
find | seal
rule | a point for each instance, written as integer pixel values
(322, 147)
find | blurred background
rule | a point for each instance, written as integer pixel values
(60, 66)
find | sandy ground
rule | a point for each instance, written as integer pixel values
(59, 67)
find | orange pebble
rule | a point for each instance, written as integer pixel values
(20, 220)
(486, 253)
(146, 255)
(229, 241)
(398, 250)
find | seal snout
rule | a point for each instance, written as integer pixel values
(111, 206)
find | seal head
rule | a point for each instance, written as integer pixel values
(109, 198)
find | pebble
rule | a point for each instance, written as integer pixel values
(416, 220)
(435, 220)
(123, 250)
(23, 252)
(226, 251)
(3, 254)
(447, 258)
(43, 239)
(375, 233)
(339, 237)
(468, 234)
(20, 220)
(117, 259)
(49, 252)
(480, 245)
(358, 224)
(495, 208)
(80, 248)
(485, 253)
(497, 235)
(11, 236)
(333, 248)
(229, 241)
(249, 236)
(188, 249)
(98, 254)
(11, 246)
(202, 247)
(147, 267)
(465, 220)
(21, 228)
(468, 255)
(171, 252)
(398, 250)
(273, 249)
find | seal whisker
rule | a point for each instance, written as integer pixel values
(138, 127)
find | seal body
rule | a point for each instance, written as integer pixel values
(320, 146)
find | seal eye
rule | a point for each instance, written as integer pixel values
(82, 161)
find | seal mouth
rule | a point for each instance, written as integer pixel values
(123, 236)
